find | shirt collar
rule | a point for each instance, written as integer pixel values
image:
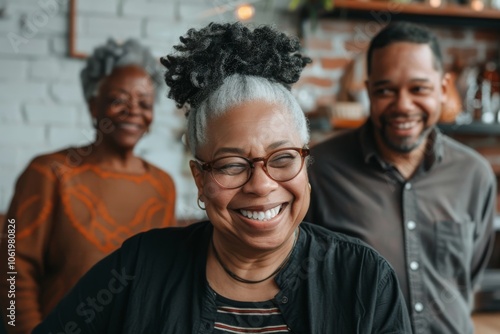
(370, 152)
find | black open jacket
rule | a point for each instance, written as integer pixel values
(156, 283)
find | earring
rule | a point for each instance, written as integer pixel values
(310, 187)
(199, 205)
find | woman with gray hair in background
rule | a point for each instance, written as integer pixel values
(73, 207)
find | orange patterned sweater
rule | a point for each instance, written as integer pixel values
(68, 216)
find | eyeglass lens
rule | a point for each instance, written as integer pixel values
(233, 172)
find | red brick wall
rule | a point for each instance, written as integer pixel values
(334, 42)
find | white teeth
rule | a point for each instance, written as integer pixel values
(261, 215)
(406, 125)
(128, 126)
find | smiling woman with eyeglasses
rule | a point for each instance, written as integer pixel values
(254, 267)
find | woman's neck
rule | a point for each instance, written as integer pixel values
(252, 268)
(120, 160)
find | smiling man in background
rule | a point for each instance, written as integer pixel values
(423, 200)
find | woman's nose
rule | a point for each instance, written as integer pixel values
(260, 183)
(134, 108)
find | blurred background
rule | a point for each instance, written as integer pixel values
(42, 49)
(43, 44)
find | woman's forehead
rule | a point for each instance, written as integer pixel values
(259, 115)
(257, 124)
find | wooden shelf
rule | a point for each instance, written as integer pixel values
(475, 128)
(385, 11)
(344, 123)
(451, 10)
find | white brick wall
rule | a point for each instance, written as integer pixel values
(62, 136)
(8, 24)
(8, 157)
(11, 69)
(50, 113)
(19, 91)
(97, 7)
(7, 182)
(140, 9)
(13, 43)
(59, 46)
(45, 69)
(10, 112)
(64, 93)
(117, 27)
(22, 135)
(57, 25)
(6, 192)
(41, 103)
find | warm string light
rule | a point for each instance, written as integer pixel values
(245, 12)
(477, 5)
(435, 3)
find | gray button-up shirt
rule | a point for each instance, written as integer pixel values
(434, 228)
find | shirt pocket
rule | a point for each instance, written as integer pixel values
(454, 247)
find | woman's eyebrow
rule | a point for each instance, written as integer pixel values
(233, 150)
(239, 151)
(124, 91)
(278, 144)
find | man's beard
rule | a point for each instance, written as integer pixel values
(404, 145)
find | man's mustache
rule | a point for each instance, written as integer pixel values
(402, 117)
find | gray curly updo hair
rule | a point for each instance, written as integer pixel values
(111, 55)
(224, 65)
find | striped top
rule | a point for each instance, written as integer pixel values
(248, 317)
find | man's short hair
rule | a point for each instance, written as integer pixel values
(405, 32)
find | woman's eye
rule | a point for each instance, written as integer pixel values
(231, 168)
(281, 160)
(146, 105)
(118, 102)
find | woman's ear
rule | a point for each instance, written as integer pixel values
(197, 175)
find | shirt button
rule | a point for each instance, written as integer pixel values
(414, 265)
(411, 225)
(408, 186)
(284, 300)
(419, 307)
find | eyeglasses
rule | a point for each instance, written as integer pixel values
(232, 172)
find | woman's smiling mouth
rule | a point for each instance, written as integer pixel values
(262, 215)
